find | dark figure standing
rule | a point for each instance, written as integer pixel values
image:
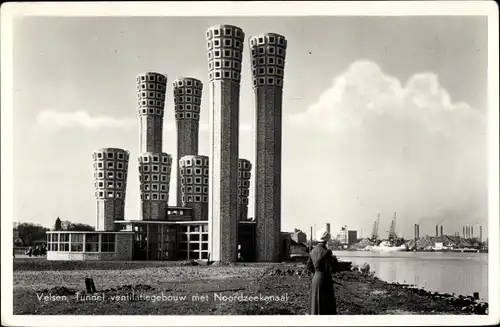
(322, 263)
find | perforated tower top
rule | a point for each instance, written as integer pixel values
(268, 52)
(225, 47)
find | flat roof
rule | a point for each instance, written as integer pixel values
(89, 232)
(163, 222)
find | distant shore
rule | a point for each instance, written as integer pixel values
(44, 287)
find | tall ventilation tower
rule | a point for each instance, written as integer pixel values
(224, 47)
(194, 185)
(110, 181)
(154, 165)
(244, 173)
(187, 99)
(268, 63)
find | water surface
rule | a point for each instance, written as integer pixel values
(445, 272)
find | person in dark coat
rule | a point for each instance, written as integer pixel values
(322, 263)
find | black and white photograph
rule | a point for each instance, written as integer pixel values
(296, 163)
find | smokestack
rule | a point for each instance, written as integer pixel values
(328, 227)
(437, 230)
(480, 233)
(471, 231)
(463, 231)
(418, 231)
(441, 230)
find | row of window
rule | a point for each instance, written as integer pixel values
(188, 82)
(187, 115)
(79, 242)
(164, 158)
(190, 189)
(110, 174)
(189, 198)
(194, 180)
(187, 99)
(245, 174)
(143, 86)
(224, 63)
(243, 191)
(111, 154)
(155, 187)
(109, 194)
(154, 196)
(151, 77)
(199, 161)
(154, 178)
(242, 200)
(110, 185)
(224, 53)
(245, 164)
(268, 61)
(199, 171)
(193, 238)
(243, 182)
(151, 95)
(267, 81)
(224, 74)
(158, 104)
(226, 30)
(203, 228)
(112, 165)
(268, 39)
(151, 112)
(154, 168)
(178, 91)
(267, 71)
(225, 43)
(268, 50)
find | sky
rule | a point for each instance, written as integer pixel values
(380, 114)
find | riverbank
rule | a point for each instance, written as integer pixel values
(166, 288)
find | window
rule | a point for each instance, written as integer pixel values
(227, 53)
(110, 155)
(197, 180)
(76, 242)
(92, 243)
(270, 50)
(108, 243)
(197, 198)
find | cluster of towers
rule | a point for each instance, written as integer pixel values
(214, 186)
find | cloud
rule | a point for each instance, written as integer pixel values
(54, 120)
(374, 144)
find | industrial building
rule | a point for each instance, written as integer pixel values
(210, 219)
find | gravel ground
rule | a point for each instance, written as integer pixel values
(188, 288)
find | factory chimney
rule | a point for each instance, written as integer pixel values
(463, 231)
(418, 231)
(480, 233)
(441, 230)
(437, 230)
(471, 231)
(328, 227)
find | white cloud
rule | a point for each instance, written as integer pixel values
(374, 144)
(54, 120)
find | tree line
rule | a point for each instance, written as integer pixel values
(30, 233)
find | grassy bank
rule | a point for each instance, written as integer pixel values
(183, 288)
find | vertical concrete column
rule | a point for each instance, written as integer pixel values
(268, 53)
(225, 47)
(244, 174)
(154, 179)
(110, 182)
(194, 172)
(151, 93)
(187, 99)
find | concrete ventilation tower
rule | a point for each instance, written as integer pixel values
(224, 47)
(268, 63)
(187, 99)
(244, 173)
(194, 185)
(154, 165)
(110, 181)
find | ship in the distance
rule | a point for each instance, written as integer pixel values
(390, 245)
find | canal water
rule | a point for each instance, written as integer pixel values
(444, 272)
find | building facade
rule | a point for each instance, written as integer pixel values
(268, 52)
(224, 51)
(187, 103)
(110, 182)
(244, 174)
(194, 172)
